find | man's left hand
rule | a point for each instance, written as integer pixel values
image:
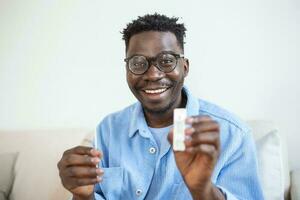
(197, 162)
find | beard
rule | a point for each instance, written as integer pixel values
(160, 111)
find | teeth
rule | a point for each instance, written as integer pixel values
(156, 91)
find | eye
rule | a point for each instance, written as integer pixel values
(139, 64)
(166, 61)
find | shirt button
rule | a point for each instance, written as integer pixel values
(138, 192)
(152, 150)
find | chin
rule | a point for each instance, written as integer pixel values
(159, 109)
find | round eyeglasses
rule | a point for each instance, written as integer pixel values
(165, 62)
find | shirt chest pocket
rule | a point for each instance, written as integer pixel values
(112, 183)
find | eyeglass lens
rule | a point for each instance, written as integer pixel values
(164, 62)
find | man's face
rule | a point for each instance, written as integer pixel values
(156, 90)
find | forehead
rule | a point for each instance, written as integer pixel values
(150, 43)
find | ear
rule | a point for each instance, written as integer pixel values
(186, 67)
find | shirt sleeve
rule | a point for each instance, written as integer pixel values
(238, 178)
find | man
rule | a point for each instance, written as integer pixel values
(136, 159)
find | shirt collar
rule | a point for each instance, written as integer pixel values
(138, 122)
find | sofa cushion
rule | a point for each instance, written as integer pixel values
(36, 173)
(270, 166)
(7, 161)
(295, 187)
(272, 159)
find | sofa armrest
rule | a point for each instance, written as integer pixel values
(295, 184)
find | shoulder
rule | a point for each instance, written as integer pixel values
(120, 117)
(222, 116)
(235, 135)
(111, 127)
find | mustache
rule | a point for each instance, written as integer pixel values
(155, 84)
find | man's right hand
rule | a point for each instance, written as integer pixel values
(78, 171)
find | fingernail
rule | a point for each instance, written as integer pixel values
(99, 178)
(190, 131)
(187, 138)
(95, 160)
(99, 171)
(189, 120)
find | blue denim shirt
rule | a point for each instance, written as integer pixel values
(131, 160)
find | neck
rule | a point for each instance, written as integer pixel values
(163, 119)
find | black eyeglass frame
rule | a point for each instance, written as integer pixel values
(153, 61)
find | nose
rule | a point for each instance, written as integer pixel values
(153, 73)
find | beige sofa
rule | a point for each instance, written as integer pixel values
(28, 162)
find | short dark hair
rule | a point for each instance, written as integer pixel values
(155, 22)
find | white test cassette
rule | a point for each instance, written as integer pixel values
(179, 127)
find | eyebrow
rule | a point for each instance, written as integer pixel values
(171, 52)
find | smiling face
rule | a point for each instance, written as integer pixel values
(157, 91)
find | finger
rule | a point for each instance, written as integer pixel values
(189, 131)
(171, 136)
(212, 138)
(72, 183)
(74, 159)
(83, 172)
(207, 149)
(83, 150)
(197, 119)
(206, 126)
(96, 153)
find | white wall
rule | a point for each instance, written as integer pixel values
(61, 62)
